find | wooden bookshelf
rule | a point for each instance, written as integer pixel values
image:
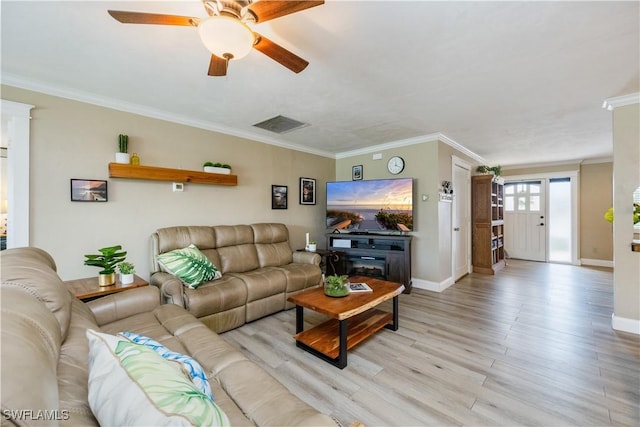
(487, 215)
(121, 170)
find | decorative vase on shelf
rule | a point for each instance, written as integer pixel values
(336, 286)
(126, 279)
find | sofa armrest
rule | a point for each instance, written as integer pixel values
(171, 288)
(306, 258)
(124, 304)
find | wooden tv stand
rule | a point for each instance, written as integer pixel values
(381, 256)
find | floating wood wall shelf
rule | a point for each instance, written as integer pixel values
(120, 170)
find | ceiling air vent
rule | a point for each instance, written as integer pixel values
(280, 124)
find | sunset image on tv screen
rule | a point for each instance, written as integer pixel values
(370, 205)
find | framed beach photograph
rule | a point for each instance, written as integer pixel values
(307, 191)
(356, 173)
(279, 196)
(88, 190)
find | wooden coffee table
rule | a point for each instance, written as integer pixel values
(352, 319)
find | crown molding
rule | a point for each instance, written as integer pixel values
(620, 101)
(598, 160)
(450, 142)
(432, 137)
(112, 103)
(576, 162)
(388, 145)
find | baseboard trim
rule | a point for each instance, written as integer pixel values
(596, 262)
(625, 325)
(428, 285)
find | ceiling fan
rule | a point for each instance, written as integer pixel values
(225, 32)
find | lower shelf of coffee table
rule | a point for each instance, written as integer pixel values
(325, 337)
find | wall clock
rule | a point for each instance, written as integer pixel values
(395, 165)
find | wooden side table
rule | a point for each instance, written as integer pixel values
(88, 288)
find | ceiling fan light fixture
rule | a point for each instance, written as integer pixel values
(226, 37)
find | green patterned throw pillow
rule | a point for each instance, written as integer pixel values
(132, 385)
(189, 265)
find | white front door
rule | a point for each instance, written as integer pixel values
(461, 213)
(524, 220)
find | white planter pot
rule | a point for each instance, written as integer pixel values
(312, 247)
(122, 158)
(126, 279)
(213, 169)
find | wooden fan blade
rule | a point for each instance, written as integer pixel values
(266, 10)
(152, 18)
(218, 66)
(280, 54)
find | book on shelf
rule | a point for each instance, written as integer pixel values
(359, 287)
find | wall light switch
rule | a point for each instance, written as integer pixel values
(377, 156)
(178, 186)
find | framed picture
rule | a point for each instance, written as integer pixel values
(307, 191)
(356, 173)
(88, 190)
(279, 196)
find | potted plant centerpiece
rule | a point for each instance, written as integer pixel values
(107, 260)
(126, 272)
(122, 156)
(336, 286)
(221, 168)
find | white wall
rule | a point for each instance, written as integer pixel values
(626, 178)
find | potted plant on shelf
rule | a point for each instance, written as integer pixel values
(108, 258)
(122, 156)
(126, 270)
(312, 246)
(220, 168)
(208, 167)
(336, 286)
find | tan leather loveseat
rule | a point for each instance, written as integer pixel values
(259, 271)
(44, 351)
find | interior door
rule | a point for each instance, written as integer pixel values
(461, 218)
(524, 220)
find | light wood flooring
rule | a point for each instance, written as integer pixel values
(531, 346)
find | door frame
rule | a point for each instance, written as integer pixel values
(16, 117)
(457, 161)
(575, 225)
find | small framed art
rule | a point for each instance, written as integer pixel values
(356, 173)
(279, 196)
(88, 190)
(307, 191)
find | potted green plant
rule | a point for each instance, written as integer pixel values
(126, 270)
(208, 166)
(336, 286)
(122, 156)
(312, 246)
(221, 168)
(108, 258)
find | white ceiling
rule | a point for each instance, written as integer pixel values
(514, 82)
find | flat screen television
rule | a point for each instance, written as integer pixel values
(376, 205)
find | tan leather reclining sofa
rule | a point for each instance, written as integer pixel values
(44, 350)
(259, 271)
